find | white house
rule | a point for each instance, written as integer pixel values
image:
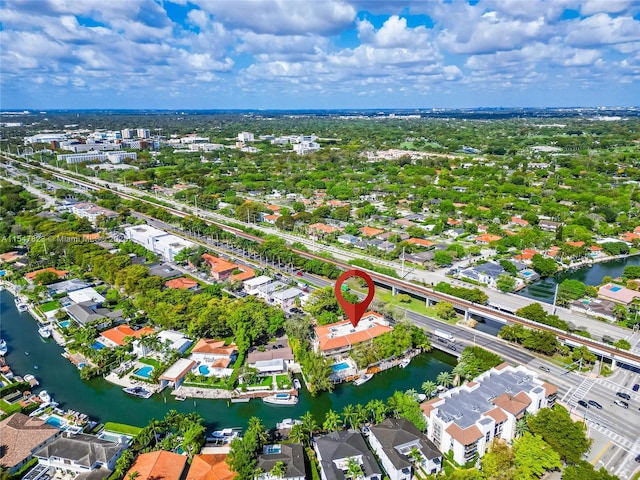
(252, 285)
(157, 241)
(286, 299)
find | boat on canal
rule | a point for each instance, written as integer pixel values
(138, 392)
(45, 397)
(296, 383)
(45, 332)
(241, 400)
(224, 436)
(363, 379)
(3, 347)
(288, 423)
(404, 363)
(31, 379)
(281, 399)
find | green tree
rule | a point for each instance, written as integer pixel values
(621, 312)
(348, 416)
(533, 457)
(583, 470)
(45, 278)
(279, 470)
(498, 462)
(331, 421)
(442, 259)
(445, 310)
(565, 436)
(428, 387)
(622, 344)
(546, 267)
(444, 379)
(506, 283)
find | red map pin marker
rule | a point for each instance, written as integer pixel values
(354, 310)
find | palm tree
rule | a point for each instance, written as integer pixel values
(378, 409)
(412, 393)
(309, 424)
(354, 470)
(297, 434)
(445, 379)
(348, 416)
(428, 387)
(621, 312)
(521, 427)
(459, 372)
(415, 455)
(331, 421)
(278, 470)
(361, 414)
(133, 475)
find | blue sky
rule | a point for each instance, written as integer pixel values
(300, 54)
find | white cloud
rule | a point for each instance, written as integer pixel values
(601, 29)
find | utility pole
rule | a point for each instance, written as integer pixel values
(555, 299)
(402, 268)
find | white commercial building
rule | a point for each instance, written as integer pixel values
(246, 137)
(96, 156)
(157, 241)
(45, 138)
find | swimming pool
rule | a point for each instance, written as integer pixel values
(65, 323)
(203, 369)
(144, 372)
(615, 289)
(97, 345)
(55, 422)
(3, 273)
(339, 366)
(527, 274)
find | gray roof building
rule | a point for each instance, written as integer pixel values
(164, 270)
(67, 286)
(290, 454)
(87, 312)
(336, 448)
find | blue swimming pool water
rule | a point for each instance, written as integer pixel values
(527, 274)
(3, 273)
(144, 372)
(97, 345)
(65, 323)
(203, 369)
(339, 366)
(616, 289)
(54, 422)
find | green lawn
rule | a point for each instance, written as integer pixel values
(266, 382)
(283, 381)
(49, 306)
(150, 361)
(122, 428)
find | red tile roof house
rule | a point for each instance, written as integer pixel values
(370, 231)
(270, 219)
(340, 337)
(210, 466)
(519, 221)
(487, 238)
(116, 336)
(32, 275)
(618, 293)
(222, 270)
(215, 355)
(421, 242)
(159, 465)
(182, 283)
(322, 229)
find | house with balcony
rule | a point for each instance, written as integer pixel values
(21, 436)
(340, 337)
(215, 355)
(404, 450)
(466, 419)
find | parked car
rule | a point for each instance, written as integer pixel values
(582, 403)
(636, 387)
(544, 369)
(452, 347)
(593, 403)
(299, 273)
(626, 396)
(621, 403)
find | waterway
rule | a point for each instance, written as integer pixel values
(543, 290)
(106, 402)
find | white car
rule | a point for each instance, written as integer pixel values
(621, 403)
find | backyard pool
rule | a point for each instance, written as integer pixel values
(336, 367)
(3, 273)
(97, 346)
(144, 372)
(55, 422)
(65, 323)
(203, 369)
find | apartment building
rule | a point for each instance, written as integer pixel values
(157, 241)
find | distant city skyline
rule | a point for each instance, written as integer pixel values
(329, 54)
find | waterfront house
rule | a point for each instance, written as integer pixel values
(290, 455)
(66, 286)
(466, 419)
(211, 466)
(86, 295)
(485, 273)
(117, 336)
(618, 293)
(336, 449)
(87, 312)
(215, 355)
(404, 450)
(159, 465)
(30, 277)
(21, 436)
(276, 357)
(81, 454)
(340, 337)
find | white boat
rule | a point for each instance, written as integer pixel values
(404, 363)
(138, 392)
(44, 332)
(296, 384)
(287, 423)
(363, 379)
(3, 347)
(31, 379)
(240, 400)
(44, 396)
(422, 397)
(20, 305)
(224, 436)
(281, 399)
(181, 397)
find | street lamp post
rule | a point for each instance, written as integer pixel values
(195, 202)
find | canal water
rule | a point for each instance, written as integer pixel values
(107, 402)
(543, 290)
